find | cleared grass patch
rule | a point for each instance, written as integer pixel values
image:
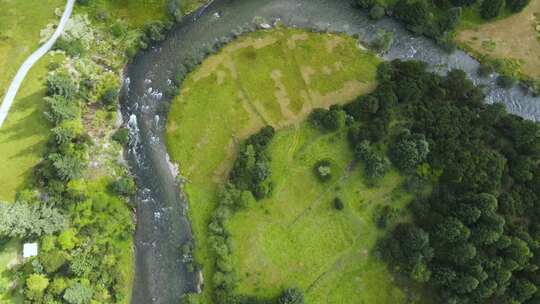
(270, 77)
(298, 238)
(514, 37)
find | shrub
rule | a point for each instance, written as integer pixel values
(121, 136)
(338, 203)
(72, 48)
(78, 294)
(124, 186)
(376, 12)
(109, 97)
(383, 41)
(52, 261)
(323, 170)
(505, 81)
(67, 239)
(59, 108)
(174, 9)
(36, 284)
(291, 296)
(384, 215)
(376, 164)
(329, 120)
(61, 84)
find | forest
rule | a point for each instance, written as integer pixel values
(474, 238)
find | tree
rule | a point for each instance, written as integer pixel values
(491, 9)
(78, 293)
(452, 230)
(109, 97)
(517, 5)
(67, 166)
(291, 296)
(67, 131)
(409, 152)
(61, 84)
(59, 108)
(67, 239)
(25, 220)
(338, 203)
(415, 14)
(36, 284)
(124, 186)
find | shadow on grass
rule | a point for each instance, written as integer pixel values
(29, 117)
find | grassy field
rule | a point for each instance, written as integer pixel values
(514, 37)
(23, 135)
(273, 77)
(297, 237)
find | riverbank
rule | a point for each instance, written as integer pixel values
(153, 73)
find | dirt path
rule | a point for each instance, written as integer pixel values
(30, 61)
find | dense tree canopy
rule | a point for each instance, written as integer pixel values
(475, 237)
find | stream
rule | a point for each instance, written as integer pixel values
(161, 275)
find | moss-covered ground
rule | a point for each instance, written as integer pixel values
(271, 77)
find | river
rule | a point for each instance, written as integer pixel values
(162, 226)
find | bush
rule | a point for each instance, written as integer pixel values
(384, 215)
(61, 84)
(338, 203)
(124, 186)
(72, 48)
(376, 164)
(329, 120)
(291, 296)
(323, 170)
(78, 294)
(376, 12)
(505, 81)
(121, 136)
(109, 97)
(383, 41)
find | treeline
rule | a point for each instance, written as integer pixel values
(475, 237)
(64, 211)
(73, 266)
(437, 19)
(249, 180)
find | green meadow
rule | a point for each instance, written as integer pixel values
(271, 77)
(297, 237)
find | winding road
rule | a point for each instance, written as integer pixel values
(30, 61)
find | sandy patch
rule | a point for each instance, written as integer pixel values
(333, 41)
(307, 72)
(291, 42)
